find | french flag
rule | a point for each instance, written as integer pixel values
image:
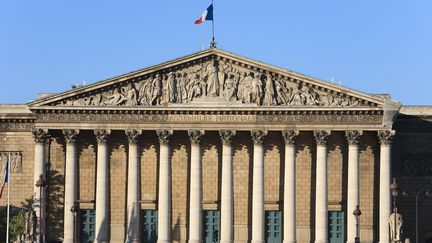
(206, 15)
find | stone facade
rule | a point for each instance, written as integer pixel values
(182, 105)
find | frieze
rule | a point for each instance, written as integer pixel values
(212, 78)
(323, 118)
(12, 126)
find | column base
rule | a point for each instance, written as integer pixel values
(226, 241)
(289, 241)
(162, 241)
(195, 241)
(257, 241)
(324, 241)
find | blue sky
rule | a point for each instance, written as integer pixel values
(373, 46)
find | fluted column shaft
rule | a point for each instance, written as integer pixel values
(385, 137)
(227, 225)
(133, 188)
(101, 222)
(289, 217)
(321, 207)
(353, 138)
(258, 235)
(195, 208)
(71, 184)
(164, 200)
(41, 139)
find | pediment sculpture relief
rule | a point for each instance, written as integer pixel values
(213, 79)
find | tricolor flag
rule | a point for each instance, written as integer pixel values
(206, 15)
(6, 177)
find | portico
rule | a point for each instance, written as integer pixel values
(261, 154)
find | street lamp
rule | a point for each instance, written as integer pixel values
(41, 183)
(357, 214)
(394, 190)
(74, 209)
(417, 197)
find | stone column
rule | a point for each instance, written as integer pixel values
(321, 207)
(195, 208)
(289, 217)
(41, 138)
(385, 138)
(133, 188)
(258, 235)
(164, 200)
(101, 225)
(353, 138)
(71, 184)
(227, 225)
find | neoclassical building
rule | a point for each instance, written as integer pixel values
(216, 147)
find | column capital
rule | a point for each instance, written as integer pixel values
(102, 135)
(386, 136)
(164, 136)
(195, 135)
(227, 136)
(290, 136)
(321, 136)
(258, 136)
(40, 135)
(353, 136)
(132, 135)
(71, 135)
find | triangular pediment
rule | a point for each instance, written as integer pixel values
(212, 78)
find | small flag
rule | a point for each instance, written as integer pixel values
(206, 15)
(6, 177)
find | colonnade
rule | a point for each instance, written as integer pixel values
(195, 207)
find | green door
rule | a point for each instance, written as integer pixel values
(273, 226)
(87, 225)
(149, 226)
(336, 226)
(211, 226)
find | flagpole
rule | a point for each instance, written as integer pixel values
(8, 200)
(213, 42)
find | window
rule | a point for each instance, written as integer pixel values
(149, 226)
(211, 226)
(273, 226)
(87, 225)
(336, 226)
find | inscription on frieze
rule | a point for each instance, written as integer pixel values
(210, 118)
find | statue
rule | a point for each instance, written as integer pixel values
(256, 92)
(230, 85)
(171, 88)
(196, 88)
(156, 88)
(395, 226)
(212, 80)
(30, 225)
(269, 91)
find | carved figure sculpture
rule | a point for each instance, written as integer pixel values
(212, 80)
(395, 236)
(116, 98)
(230, 88)
(181, 87)
(131, 95)
(256, 92)
(269, 98)
(282, 93)
(156, 87)
(171, 88)
(196, 88)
